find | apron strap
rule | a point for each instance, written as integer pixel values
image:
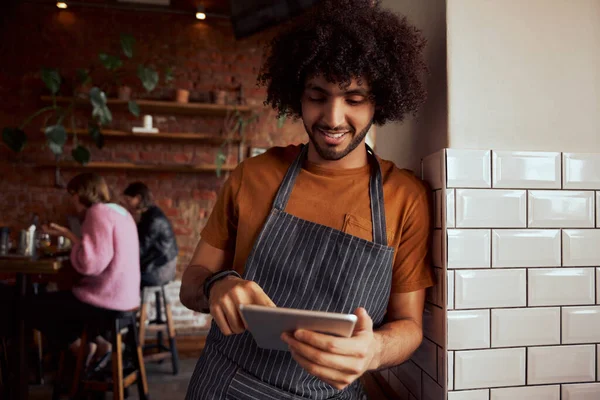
(375, 192)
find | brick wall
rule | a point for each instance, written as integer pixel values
(204, 55)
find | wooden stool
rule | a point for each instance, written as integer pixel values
(3, 368)
(158, 351)
(121, 378)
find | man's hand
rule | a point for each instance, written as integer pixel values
(337, 361)
(226, 295)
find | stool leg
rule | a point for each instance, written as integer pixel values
(143, 317)
(58, 379)
(171, 333)
(138, 362)
(80, 364)
(159, 320)
(38, 342)
(117, 363)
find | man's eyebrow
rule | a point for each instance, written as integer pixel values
(353, 92)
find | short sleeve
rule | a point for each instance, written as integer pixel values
(412, 270)
(221, 229)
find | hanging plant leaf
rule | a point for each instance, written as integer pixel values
(14, 138)
(100, 111)
(148, 76)
(110, 62)
(57, 137)
(281, 121)
(169, 74)
(127, 43)
(83, 76)
(51, 78)
(220, 160)
(96, 135)
(81, 154)
(134, 108)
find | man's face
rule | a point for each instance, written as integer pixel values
(336, 120)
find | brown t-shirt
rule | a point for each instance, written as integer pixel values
(331, 197)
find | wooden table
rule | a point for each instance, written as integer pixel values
(23, 267)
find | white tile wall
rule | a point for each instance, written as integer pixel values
(597, 209)
(469, 248)
(490, 288)
(526, 248)
(527, 393)
(469, 395)
(450, 289)
(581, 325)
(438, 204)
(468, 329)
(436, 248)
(435, 294)
(426, 357)
(581, 247)
(561, 364)
(486, 208)
(582, 391)
(581, 171)
(526, 170)
(450, 370)
(434, 324)
(468, 168)
(450, 220)
(561, 209)
(477, 369)
(525, 326)
(597, 285)
(561, 286)
(433, 167)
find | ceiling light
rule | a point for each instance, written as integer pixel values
(200, 14)
(61, 4)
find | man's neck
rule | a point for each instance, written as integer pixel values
(355, 159)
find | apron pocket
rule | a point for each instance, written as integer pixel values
(244, 386)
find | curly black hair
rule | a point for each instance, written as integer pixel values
(342, 40)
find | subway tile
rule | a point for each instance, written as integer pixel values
(597, 285)
(581, 171)
(468, 329)
(431, 390)
(450, 370)
(435, 293)
(450, 289)
(526, 170)
(469, 248)
(490, 288)
(434, 324)
(526, 248)
(561, 209)
(561, 286)
(450, 220)
(580, 325)
(468, 168)
(426, 357)
(480, 394)
(597, 209)
(438, 208)
(598, 362)
(527, 393)
(433, 168)
(561, 364)
(437, 248)
(525, 327)
(581, 247)
(487, 208)
(410, 376)
(581, 391)
(476, 369)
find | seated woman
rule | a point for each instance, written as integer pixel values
(158, 247)
(106, 260)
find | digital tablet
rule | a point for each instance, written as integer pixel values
(266, 324)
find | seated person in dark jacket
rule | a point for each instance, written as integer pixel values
(158, 247)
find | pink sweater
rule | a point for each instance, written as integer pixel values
(108, 257)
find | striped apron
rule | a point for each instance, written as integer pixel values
(299, 264)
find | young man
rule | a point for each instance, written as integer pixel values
(325, 226)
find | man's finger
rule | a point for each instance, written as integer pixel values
(334, 361)
(335, 378)
(230, 310)
(364, 323)
(261, 299)
(220, 320)
(329, 343)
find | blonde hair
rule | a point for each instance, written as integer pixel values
(91, 189)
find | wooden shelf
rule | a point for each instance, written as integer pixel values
(161, 107)
(115, 166)
(197, 137)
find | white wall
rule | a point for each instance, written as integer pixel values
(524, 74)
(405, 144)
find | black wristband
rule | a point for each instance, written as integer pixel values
(211, 280)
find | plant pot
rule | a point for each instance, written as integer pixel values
(182, 96)
(124, 93)
(220, 97)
